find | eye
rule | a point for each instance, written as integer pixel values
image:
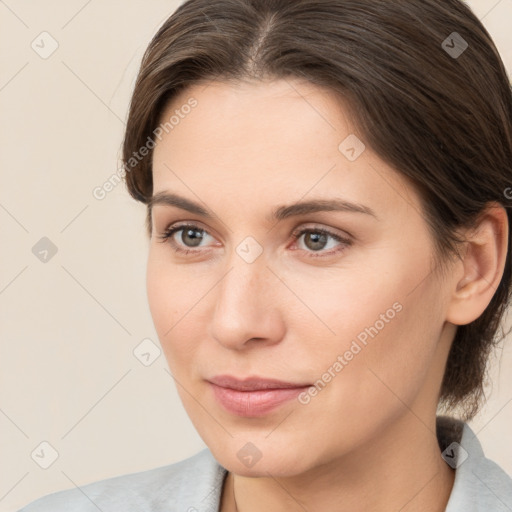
(190, 234)
(317, 239)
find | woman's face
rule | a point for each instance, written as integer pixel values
(339, 302)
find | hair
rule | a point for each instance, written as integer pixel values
(442, 120)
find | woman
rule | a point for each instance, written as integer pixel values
(329, 253)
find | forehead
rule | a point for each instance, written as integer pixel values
(266, 140)
(289, 108)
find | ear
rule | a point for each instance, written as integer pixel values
(480, 269)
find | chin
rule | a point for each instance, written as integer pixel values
(257, 456)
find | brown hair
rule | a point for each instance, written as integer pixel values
(438, 112)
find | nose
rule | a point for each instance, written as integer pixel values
(247, 311)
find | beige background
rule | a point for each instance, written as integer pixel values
(69, 326)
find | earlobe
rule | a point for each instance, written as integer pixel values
(483, 264)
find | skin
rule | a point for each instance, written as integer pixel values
(367, 440)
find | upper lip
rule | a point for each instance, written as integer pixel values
(252, 383)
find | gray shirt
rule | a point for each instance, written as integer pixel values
(195, 484)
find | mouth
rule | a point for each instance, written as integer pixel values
(254, 396)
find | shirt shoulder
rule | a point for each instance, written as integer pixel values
(191, 485)
(480, 484)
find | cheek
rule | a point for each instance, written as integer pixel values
(158, 286)
(380, 378)
(384, 319)
(178, 298)
(348, 303)
(169, 296)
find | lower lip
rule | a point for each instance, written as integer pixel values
(254, 403)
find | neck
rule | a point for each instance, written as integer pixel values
(400, 470)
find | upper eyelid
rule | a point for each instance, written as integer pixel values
(185, 224)
(298, 219)
(179, 226)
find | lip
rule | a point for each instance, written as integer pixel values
(253, 396)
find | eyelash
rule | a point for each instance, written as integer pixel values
(170, 231)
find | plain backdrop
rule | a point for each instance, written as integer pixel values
(70, 324)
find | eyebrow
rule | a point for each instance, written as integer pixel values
(278, 214)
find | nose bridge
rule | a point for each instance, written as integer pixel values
(242, 309)
(243, 284)
(248, 271)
